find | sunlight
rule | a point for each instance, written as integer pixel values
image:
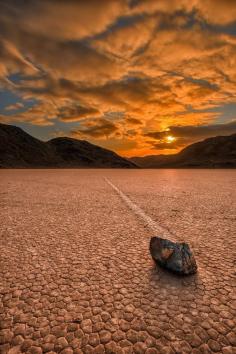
(170, 139)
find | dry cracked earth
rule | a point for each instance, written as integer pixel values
(77, 276)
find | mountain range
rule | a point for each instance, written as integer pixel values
(20, 150)
(216, 152)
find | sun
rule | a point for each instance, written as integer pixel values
(170, 139)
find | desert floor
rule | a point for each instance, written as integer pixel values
(76, 274)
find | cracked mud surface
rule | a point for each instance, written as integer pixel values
(76, 275)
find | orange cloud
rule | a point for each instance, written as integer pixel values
(15, 106)
(41, 114)
(62, 20)
(213, 11)
(121, 69)
(73, 113)
(99, 128)
(217, 11)
(184, 135)
(125, 41)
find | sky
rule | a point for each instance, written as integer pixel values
(139, 77)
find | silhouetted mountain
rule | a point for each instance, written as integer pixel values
(217, 152)
(73, 152)
(20, 150)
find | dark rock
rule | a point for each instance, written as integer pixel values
(173, 256)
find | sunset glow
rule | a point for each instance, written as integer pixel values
(116, 72)
(170, 139)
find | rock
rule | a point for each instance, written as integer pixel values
(174, 256)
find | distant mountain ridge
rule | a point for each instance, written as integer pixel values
(20, 150)
(216, 152)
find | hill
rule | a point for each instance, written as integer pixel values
(20, 150)
(216, 152)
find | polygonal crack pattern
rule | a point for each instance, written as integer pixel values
(77, 276)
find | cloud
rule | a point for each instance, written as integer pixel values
(100, 128)
(41, 114)
(217, 11)
(163, 6)
(79, 62)
(135, 95)
(189, 43)
(73, 113)
(12, 60)
(133, 121)
(213, 11)
(121, 69)
(56, 45)
(203, 131)
(73, 60)
(163, 145)
(185, 135)
(14, 107)
(68, 20)
(125, 41)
